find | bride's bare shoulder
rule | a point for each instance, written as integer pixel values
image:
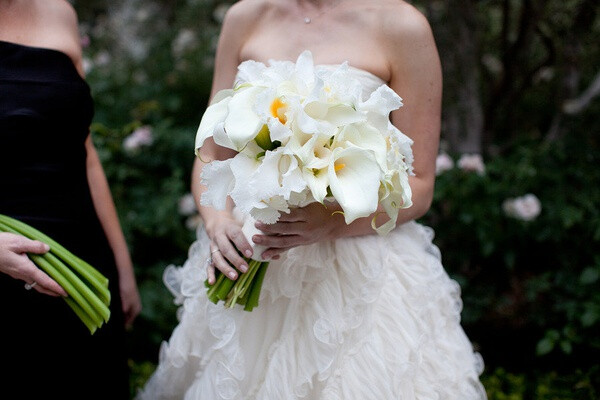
(250, 11)
(403, 28)
(400, 17)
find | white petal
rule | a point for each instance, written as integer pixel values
(243, 193)
(278, 131)
(270, 210)
(396, 193)
(315, 153)
(307, 124)
(242, 124)
(291, 176)
(214, 115)
(366, 137)
(382, 101)
(251, 71)
(219, 181)
(356, 186)
(343, 115)
(220, 137)
(304, 71)
(317, 183)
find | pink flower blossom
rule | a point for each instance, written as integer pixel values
(443, 163)
(85, 41)
(142, 136)
(187, 205)
(525, 208)
(472, 163)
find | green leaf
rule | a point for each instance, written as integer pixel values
(544, 346)
(566, 346)
(589, 275)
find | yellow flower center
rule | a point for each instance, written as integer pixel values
(339, 167)
(278, 110)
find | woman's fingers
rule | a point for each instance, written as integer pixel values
(44, 283)
(295, 215)
(239, 240)
(26, 245)
(222, 265)
(15, 263)
(282, 228)
(279, 242)
(210, 272)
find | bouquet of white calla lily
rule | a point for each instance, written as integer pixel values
(303, 134)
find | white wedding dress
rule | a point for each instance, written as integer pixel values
(363, 318)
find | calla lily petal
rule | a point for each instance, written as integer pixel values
(214, 115)
(354, 177)
(242, 123)
(366, 137)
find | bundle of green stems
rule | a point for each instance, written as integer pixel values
(87, 289)
(243, 291)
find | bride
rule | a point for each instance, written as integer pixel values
(345, 313)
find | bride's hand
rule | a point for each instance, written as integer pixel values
(226, 238)
(302, 226)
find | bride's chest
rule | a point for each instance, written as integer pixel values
(332, 46)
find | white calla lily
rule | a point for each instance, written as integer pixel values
(242, 123)
(395, 194)
(214, 115)
(366, 137)
(278, 174)
(354, 177)
(304, 76)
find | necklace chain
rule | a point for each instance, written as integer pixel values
(308, 19)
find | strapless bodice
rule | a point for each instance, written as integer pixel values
(369, 81)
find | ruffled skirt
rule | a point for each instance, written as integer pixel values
(358, 318)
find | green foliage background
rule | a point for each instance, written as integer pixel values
(530, 288)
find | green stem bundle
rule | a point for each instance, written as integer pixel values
(87, 288)
(243, 291)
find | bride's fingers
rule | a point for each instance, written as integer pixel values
(239, 240)
(273, 253)
(295, 215)
(281, 228)
(222, 265)
(228, 257)
(279, 242)
(210, 272)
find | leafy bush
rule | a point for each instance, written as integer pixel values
(530, 288)
(537, 281)
(578, 385)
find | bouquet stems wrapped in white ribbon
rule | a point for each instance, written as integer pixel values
(87, 288)
(303, 134)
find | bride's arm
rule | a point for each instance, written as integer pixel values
(221, 227)
(415, 75)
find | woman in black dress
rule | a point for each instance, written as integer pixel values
(52, 179)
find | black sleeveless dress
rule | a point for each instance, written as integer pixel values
(46, 351)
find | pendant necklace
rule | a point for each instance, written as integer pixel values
(308, 20)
